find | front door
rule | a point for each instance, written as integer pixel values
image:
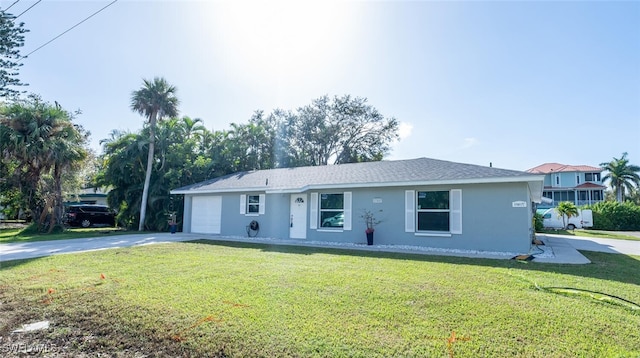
(298, 217)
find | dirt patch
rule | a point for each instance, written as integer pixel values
(74, 335)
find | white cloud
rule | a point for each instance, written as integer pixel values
(404, 130)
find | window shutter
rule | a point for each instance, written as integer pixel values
(410, 210)
(347, 211)
(243, 204)
(263, 203)
(455, 218)
(313, 211)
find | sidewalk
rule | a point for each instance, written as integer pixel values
(561, 251)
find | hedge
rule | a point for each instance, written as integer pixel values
(611, 215)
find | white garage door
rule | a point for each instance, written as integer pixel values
(206, 212)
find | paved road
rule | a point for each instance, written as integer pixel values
(28, 250)
(613, 246)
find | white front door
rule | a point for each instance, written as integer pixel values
(298, 216)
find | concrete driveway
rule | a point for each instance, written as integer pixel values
(612, 246)
(27, 250)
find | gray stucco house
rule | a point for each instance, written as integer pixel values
(420, 202)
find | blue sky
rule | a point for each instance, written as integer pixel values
(517, 84)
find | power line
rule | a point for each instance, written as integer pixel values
(29, 8)
(69, 29)
(10, 6)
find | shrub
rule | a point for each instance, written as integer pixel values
(611, 215)
(538, 222)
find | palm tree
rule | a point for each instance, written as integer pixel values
(154, 100)
(41, 143)
(622, 175)
(192, 127)
(568, 209)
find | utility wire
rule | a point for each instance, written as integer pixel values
(29, 8)
(10, 6)
(69, 29)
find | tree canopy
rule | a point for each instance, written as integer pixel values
(567, 209)
(622, 176)
(328, 131)
(38, 144)
(11, 39)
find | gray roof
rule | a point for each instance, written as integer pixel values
(421, 171)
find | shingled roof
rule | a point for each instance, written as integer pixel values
(421, 171)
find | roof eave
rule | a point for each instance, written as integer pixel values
(519, 179)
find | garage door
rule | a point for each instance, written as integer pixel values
(206, 212)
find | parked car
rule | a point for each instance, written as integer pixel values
(87, 215)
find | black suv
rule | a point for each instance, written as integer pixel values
(87, 215)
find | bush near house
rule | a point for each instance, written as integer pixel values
(612, 215)
(538, 222)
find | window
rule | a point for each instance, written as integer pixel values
(592, 177)
(433, 211)
(438, 213)
(332, 210)
(547, 194)
(578, 178)
(252, 204)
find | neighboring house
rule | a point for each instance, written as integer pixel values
(420, 202)
(580, 184)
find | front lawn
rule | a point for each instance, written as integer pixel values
(245, 300)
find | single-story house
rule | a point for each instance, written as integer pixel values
(419, 202)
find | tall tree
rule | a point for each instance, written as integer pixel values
(154, 100)
(342, 130)
(178, 162)
(11, 39)
(621, 175)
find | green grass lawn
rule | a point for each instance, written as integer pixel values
(239, 300)
(20, 235)
(592, 233)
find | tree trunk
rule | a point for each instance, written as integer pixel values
(147, 178)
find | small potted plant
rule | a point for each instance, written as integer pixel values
(370, 220)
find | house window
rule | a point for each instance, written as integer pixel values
(557, 180)
(578, 178)
(592, 177)
(433, 211)
(332, 210)
(253, 204)
(547, 194)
